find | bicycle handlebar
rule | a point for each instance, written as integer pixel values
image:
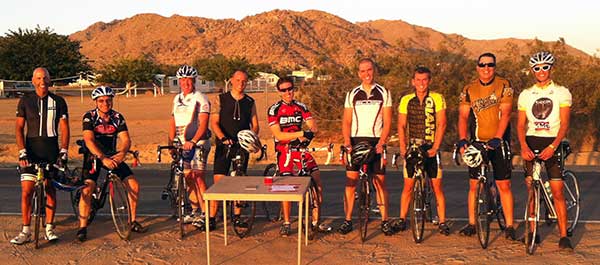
(328, 148)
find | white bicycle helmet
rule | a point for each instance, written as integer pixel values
(249, 141)
(541, 58)
(472, 156)
(186, 71)
(362, 153)
(102, 91)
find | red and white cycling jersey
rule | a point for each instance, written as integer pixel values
(289, 116)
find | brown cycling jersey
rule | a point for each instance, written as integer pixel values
(485, 100)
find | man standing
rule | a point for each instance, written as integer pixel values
(542, 124)
(231, 112)
(423, 113)
(367, 118)
(42, 113)
(189, 124)
(487, 101)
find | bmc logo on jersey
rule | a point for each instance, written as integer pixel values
(286, 120)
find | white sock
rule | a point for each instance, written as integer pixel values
(49, 227)
(26, 229)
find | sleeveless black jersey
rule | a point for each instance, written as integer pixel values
(42, 114)
(234, 115)
(105, 133)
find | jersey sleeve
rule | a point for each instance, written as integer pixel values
(62, 109)
(440, 102)
(88, 124)
(522, 101)
(348, 104)
(506, 95)
(403, 106)
(21, 108)
(272, 114)
(203, 104)
(387, 101)
(566, 98)
(122, 126)
(464, 98)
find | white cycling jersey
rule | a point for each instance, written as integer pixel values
(186, 110)
(367, 110)
(542, 106)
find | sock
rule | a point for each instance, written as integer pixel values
(286, 223)
(49, 227)
(26, 229)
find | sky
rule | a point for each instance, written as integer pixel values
(577, 21)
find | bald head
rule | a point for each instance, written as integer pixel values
(41, 80)
(41, 69)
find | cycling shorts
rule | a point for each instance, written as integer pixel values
(222, 161)
(501, 163)
(39, 149)
(375, 165)
(431, 165)
(122, 171)
(193, 159)
(552, 165)
(294, 159)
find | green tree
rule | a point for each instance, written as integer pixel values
(220, 68)
(23, 50)
(129, 72)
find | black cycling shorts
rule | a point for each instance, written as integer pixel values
(552, 165)
(222, 161)
(501, 163)
(40, 150)
(431, 165)
(375, 165)
(122, 171)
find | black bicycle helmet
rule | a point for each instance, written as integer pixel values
(362, 153)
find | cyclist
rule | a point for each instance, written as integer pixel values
(486, 103)
(542, 123)
(424, 113)
(285, 121)
(42, 113)
(367, 118)
(231, 112)
(102, 128)
(189, 124)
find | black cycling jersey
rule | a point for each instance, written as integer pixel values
(105, 133)
(234, 115)
(42, 114)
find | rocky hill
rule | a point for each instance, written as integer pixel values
(278, 37)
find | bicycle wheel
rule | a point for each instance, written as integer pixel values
(75, 198)
(419, 214)
(119, 207)
(364, 204)
(38, 212)
(180, 200)
(573, 200)
(482, 213)
(313, 208)
(532, 217)
(272, 210)
(499, 212)
(243, 224)
(428, 195)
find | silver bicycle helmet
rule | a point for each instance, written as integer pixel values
(541, 58)
(186, 71)
(362, 153)
(249, 141)
(472, 156)
(102, 91)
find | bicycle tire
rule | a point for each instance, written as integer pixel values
(313, 202)
(75, 198)
(572, 199)
(38, 211)
(532, 219)
(364, 202)
(172, 192)
(428, 199)
(482, 213)
(500, 217)
(419, 213)
(272, 210)
(247, 216)
(180, 204)
(119, 207)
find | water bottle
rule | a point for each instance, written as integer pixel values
(548, 190)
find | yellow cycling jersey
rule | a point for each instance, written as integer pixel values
(421, 116)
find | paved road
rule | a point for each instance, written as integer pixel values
(455, 186)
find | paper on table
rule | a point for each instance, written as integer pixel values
(283, 187)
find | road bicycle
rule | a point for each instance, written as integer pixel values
(540, 194)
(366, 190)
(176, 189)
(272, 210)
(110, 186)
(422, 192)
(487, 199)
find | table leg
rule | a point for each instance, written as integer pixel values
(206, 216)
(306, 208)
(300, 230)
(225, 221)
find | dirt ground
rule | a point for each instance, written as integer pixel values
(161, 245)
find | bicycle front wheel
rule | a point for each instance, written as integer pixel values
(532, 217)
(272, 210)
(38, 212)
(482, 213)
(364, 205)
(119, 207)
(419, 213)
(313, 208)
(572, 199)
(242, 224)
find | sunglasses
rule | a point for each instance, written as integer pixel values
(104, 101)
(291, 89)
(482, 65)
(544, 68)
